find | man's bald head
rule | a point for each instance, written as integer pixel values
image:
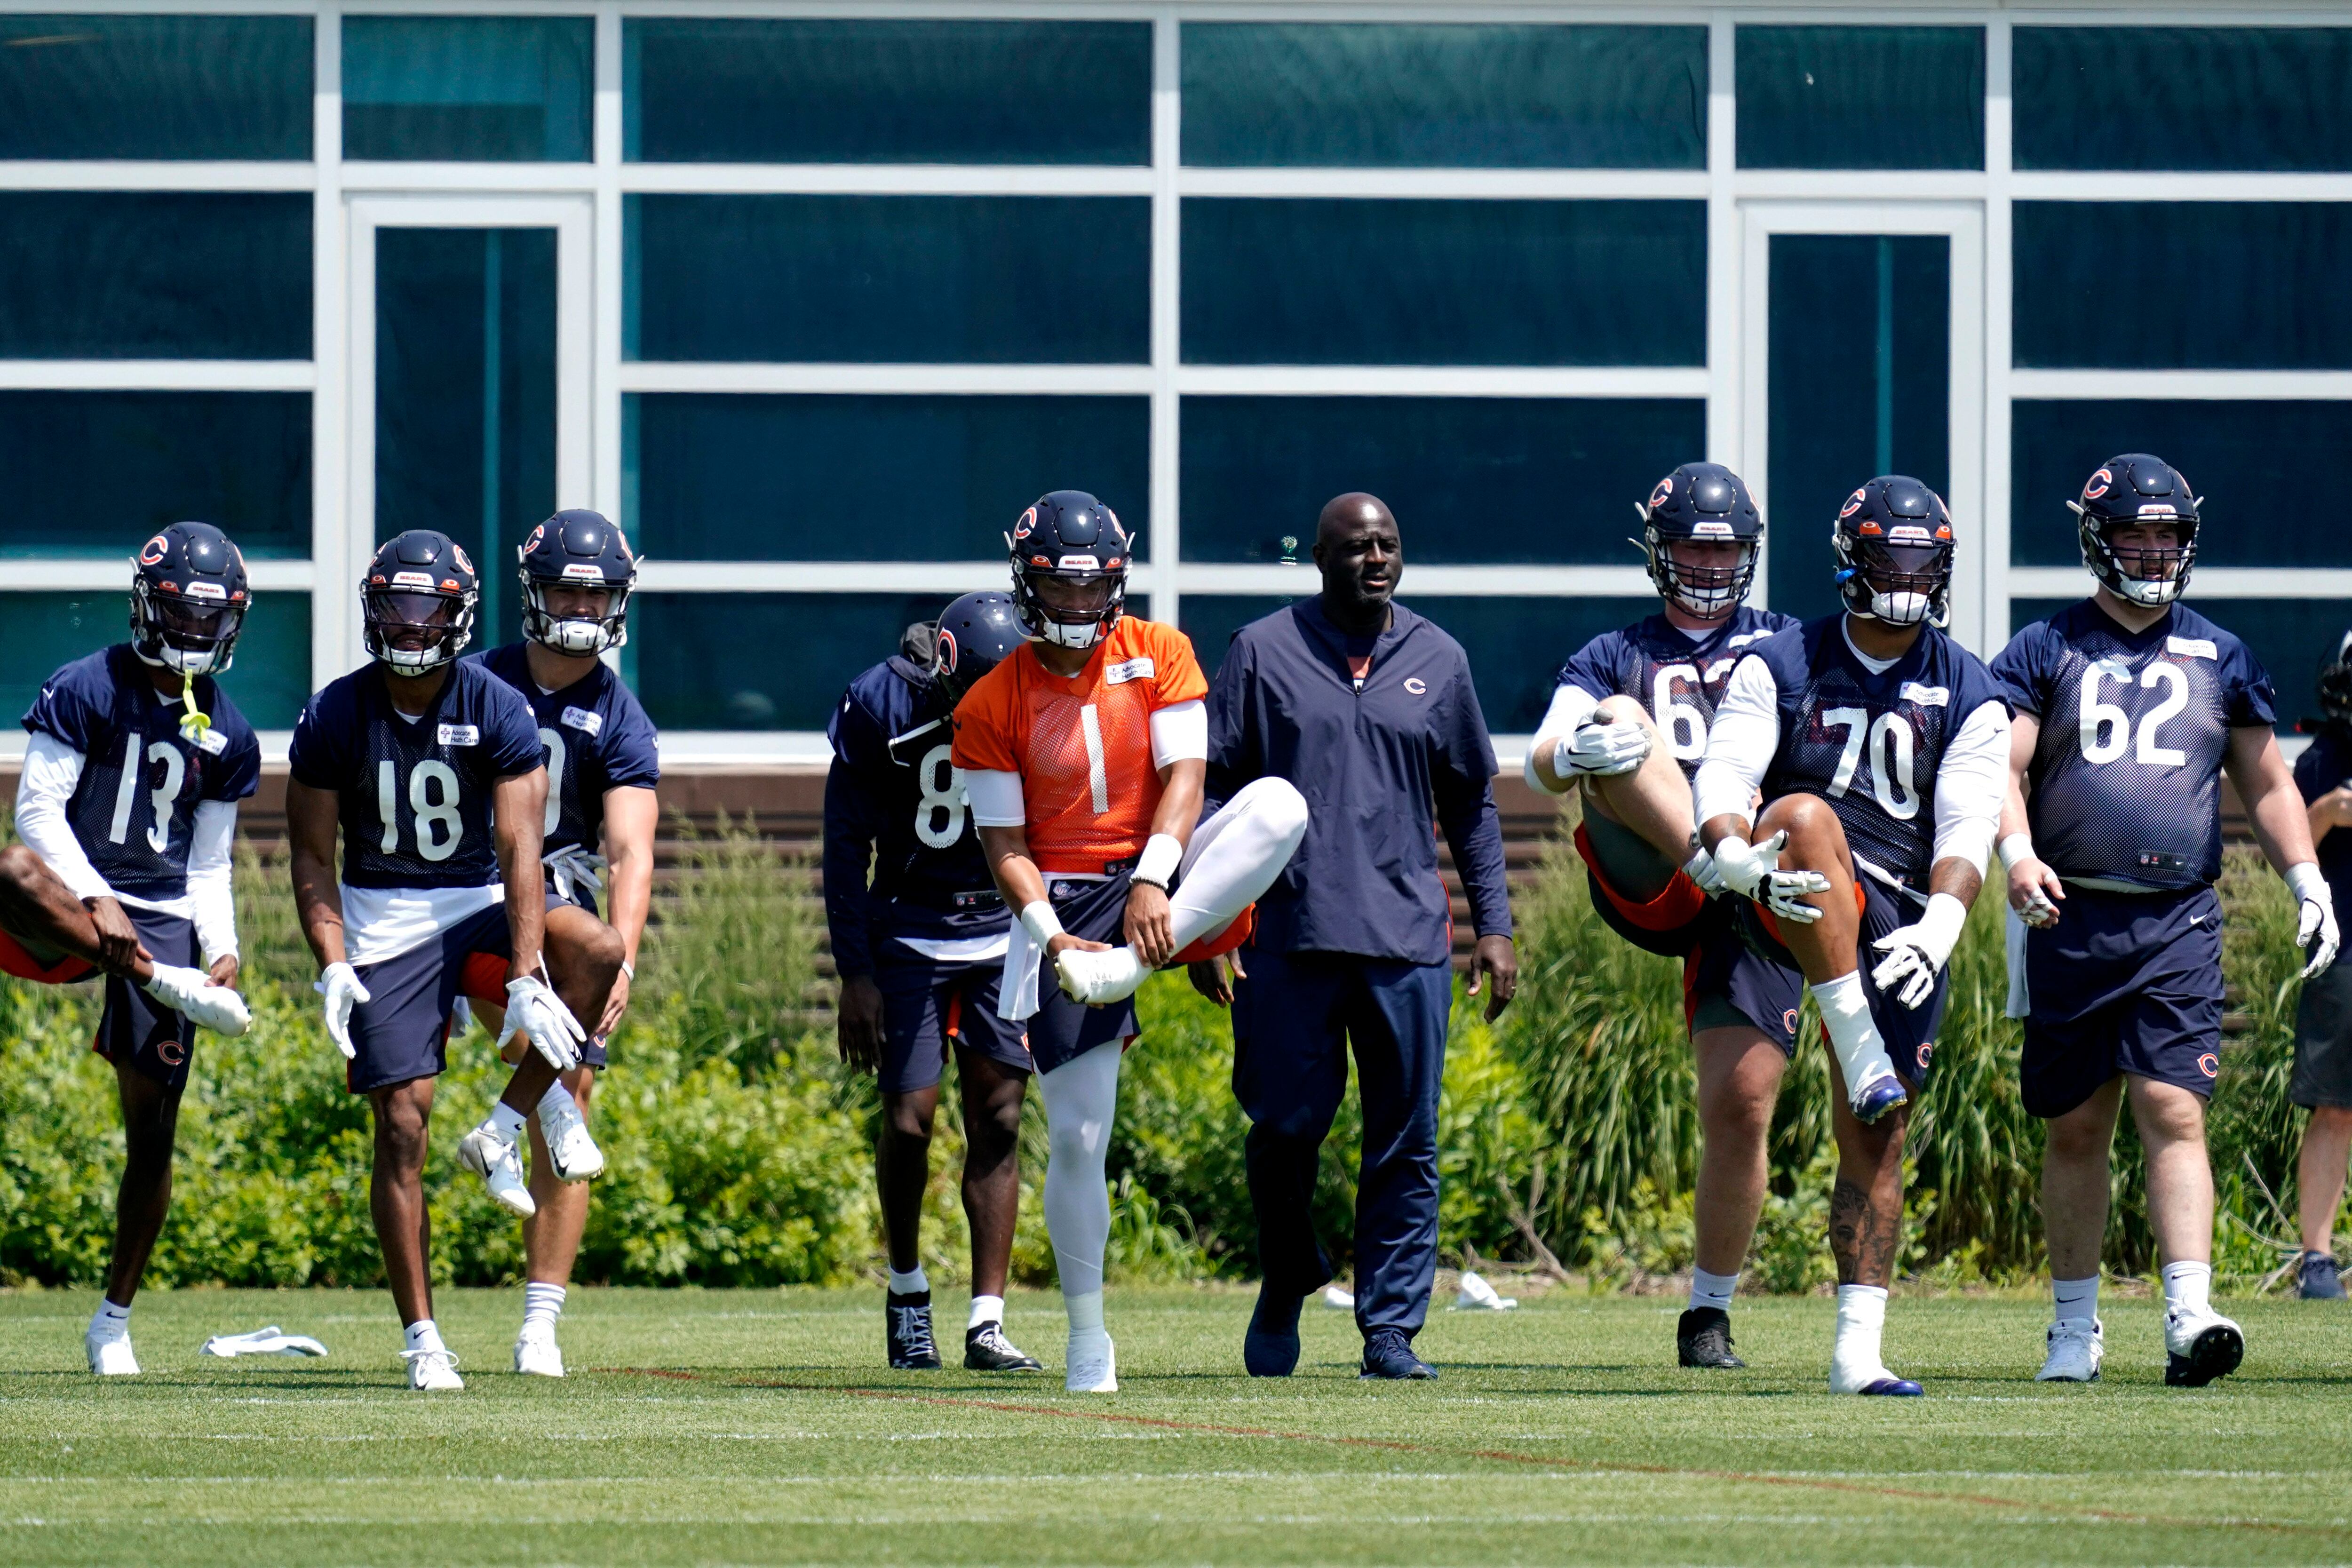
(1361, 556)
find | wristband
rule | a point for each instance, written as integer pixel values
(1157, 865)
(628, 969)
(1039, 922)
(2304, 880)
(2015, 848)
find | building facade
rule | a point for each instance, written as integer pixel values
(815, 297)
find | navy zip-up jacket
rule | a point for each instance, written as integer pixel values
(1383, 770)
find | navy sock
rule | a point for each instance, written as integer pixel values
(1276, 1311)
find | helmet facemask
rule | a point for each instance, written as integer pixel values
(189, 633)
(578, 635)
(1090, 602)
(1899, 584)
(439, 626)
(1710, 593)
(2145, 575)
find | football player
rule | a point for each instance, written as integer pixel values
(575, 573)
(1628, 724)
(127, 809)
(921, 955)
(433, 770)
(2130, 707)
(1083, 755)
(2323, 1015)
(1880, 746)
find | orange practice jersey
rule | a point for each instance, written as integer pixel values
(1081, 745)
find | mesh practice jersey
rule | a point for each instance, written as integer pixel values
(1676, 679)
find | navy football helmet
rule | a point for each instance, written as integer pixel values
(974, 635)
(1068, 538)
(1704, 503)
(2336, 685)
(188, 598)
(1892, 541)
(416, 602)
(2135, 489)
(576, 549)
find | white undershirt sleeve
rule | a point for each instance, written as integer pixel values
(994, 797)
(43, 791)
(1970, 781)
(209, 892)
(1571, 707)
(1739, 743)
(1179, 732)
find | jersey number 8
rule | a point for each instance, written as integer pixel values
(939, 811)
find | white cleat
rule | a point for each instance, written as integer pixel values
(536, 1353)
(2200, 1345)
(112, 1357)
(215, 1007)
(500, 1165)
(2076, 1347)
(1094, 1363)
(1097, 978)
(573, 1152)
(432, 1370)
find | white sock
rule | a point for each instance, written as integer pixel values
(1080, 1099)
(1853, 1038)
(542, 1305)
(1236, 856)
(986, 1309)
(2075, 1298)
(1861, 1325)
(2188, 1286)
(914, 1282)
(110, 1322)
(508, 1120)
(556, 1096)
(1085, 1312)
(1712, 1290)
(424, 1334)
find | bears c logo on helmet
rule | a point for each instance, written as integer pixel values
(153, 551)
(947, 653)
(2099, 485)
(463, 564)
(1852, 504)
(1665, 489)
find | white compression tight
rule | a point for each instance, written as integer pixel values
(1235, 857)
(1080, 1098)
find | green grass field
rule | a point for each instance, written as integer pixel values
(756, 1427)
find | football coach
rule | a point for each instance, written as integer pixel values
(1368, 710)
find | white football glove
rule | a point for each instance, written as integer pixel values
(574, 865)
(1917, 952)
(1753, 871)
(2314, 923)
(341, 988)
(1701, 869)
(543, 1019)
(1604, 750)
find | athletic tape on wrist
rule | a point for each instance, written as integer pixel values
(1038, 920)
(1158, 863)
(2015, 848)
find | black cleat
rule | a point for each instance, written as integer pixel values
(1270, 1348)
(1703, 1338)
(2320, 1282)
(985, 1349)
(1389, 1354)
(907, 1332)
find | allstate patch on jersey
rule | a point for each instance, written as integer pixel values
(1927, 696)
(2192, 648)
(458, 735)
(1129, 669)
(587, 720)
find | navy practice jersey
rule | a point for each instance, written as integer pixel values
(417, 793)
(597, 738)
(1679, 681)
(894, 788)
(1869, 743)
(2326, 764)
(133, 811)
(2126, 776)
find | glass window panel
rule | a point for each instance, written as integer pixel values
(892, 279)
(1260, 94)
(2241, 456)
(895, 92)
(1315, 281)
(154, 275)
(501, 88)
(1860, 384)
(2182, 285)
(1472, 480)
(756, 477)
(155, 87)
(464, 405)
(39, 633)
(94, 473)
(2182, 97)
(761, 661)
(1861, 97)
(1211, 619)
(2292, 638)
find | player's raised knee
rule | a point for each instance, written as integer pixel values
(20, 868)
(1277, 803)
(1624, 710)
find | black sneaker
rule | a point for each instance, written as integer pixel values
(985, 1349)
(2320, 1282)
(907, 1332)
(1388, 1353)
(1703, 1338)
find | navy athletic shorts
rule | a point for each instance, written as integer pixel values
(402, 1031)
(2124, 982)
(134, 1029)
(1064, 1030)
(927, 1003)
(1908, 1033)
